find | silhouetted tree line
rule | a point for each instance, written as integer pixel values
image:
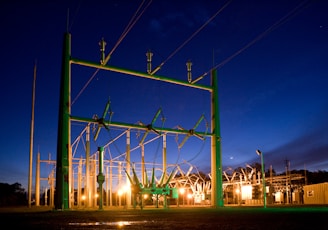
(311, 177)
(12, 195)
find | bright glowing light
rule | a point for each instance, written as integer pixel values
(145, 196)
(237, 190)
(123, 189)
(126, 188)
(96, 195)
(182, 190)
(83, 197)
(246, 192)
(189, 196)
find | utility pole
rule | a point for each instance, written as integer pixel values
(287, 182)
(31, 142)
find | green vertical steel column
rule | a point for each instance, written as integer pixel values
(63, 136)
(216, 161)
(101, 177)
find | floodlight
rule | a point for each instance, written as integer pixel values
(258, 152)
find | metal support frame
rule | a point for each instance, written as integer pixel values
(62, 198)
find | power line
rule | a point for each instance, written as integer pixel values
(191, 37)
(280, 22)
(70, 25)
(130, 25)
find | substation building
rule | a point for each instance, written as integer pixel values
(316, 193)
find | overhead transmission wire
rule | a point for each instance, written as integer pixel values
(280, 22)
(69, 27)
(130, 25)
(191, 37)
(182, 45)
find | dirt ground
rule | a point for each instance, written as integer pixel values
(281, 217)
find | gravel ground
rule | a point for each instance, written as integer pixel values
(300, 217)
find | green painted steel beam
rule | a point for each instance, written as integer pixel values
(136, 126)
(216, 167)
(101, 176)
(139, 74)
(63, 140)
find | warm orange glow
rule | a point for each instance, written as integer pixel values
(246, 192)
(123, 189)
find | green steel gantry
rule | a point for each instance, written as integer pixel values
(64, 125)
